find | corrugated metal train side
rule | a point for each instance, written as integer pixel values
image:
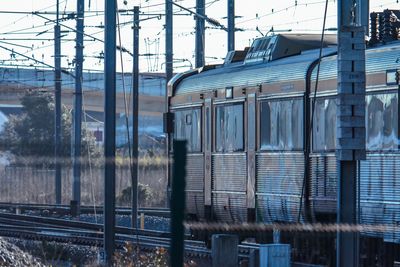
(254, 164)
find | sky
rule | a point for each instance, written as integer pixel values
(32, 36)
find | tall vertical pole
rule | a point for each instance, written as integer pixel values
(231, 25)
(77, 125)
(57, 97)
(200, 29)
(135, 114)
(168, 40)
(178, 203)
(109, 127)
(168, 75)
(362, 15)
(350, 126)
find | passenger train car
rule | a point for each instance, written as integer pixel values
(253, 153)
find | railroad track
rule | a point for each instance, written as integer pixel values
(91, 234)
(88, 234)
(66, 209)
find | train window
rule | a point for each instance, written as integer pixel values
(324, 125)
(229, 128)
(382, 121)
(188, 127)
(281, 125)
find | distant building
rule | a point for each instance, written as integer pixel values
(14, 81)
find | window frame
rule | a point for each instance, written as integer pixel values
(313, 149)
(395, 92)
(300, 98)
(215, 121)
(200, 112)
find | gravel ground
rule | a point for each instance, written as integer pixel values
(12, 255)
(63, 255)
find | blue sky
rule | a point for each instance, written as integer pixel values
(297, 16)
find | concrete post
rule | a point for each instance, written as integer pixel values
(224, 250)
(350, 136)
(57, 100)
(200, 32)
(77, 118)
(109, 128)
(135, 117)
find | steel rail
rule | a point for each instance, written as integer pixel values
(84, 233)
(81, 225)
(92, 238)
(65, 209)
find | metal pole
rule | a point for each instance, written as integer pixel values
(77, 125)
(363, 14)
(168, 76)
(109, 127)
(200, 29)
(345, 13)
(135, 114)
(347, 252)
(168, 40)
(57, 98)
(231, 25)
(178, 203)
(350, 126)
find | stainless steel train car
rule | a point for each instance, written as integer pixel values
(253, 153)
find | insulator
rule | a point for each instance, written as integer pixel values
(387, 26)
(380, 26)
(374, 26)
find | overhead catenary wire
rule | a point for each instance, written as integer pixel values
(314, 100)
(282, 10)
(35, 60)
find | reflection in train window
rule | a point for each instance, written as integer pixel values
(281, 125)
(188, 127)
(382, 121)
(324, 125)
(229, 128)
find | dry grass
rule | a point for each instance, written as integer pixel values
(28, 183)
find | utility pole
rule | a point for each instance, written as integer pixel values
(168, 76)
(168, 41)
(110, 47)
(350, 130)
(178, 204)
(135, 115)
(231, 25)
(57, 98)
(200, 29)
(77, 124)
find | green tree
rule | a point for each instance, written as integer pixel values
(31, 134)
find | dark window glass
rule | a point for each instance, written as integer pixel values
(229, 128)
(324, 124)
(187, 127)
(281, 124)
(382, 121)
(208, 124)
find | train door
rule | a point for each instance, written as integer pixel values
(188, 125)
(229, 161)
(207, 147)
(251, 157)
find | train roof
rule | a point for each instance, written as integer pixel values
(378, 59)
(289, 60)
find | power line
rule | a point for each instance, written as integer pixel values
(282, 10)
(33, 59)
